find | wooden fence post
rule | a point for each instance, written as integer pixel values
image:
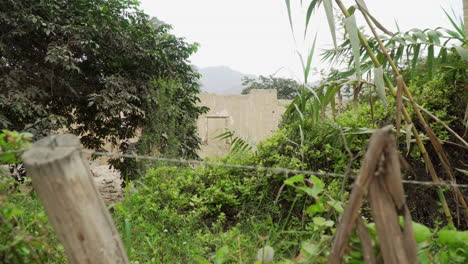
(380, 178)
(62, 178)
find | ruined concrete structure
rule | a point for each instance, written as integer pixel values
(253, 117)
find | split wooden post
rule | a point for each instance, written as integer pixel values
(62, 179)
(380, 178)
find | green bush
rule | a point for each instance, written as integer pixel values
(25, 233)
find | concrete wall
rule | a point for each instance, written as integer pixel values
(254, 117)
(465, 15)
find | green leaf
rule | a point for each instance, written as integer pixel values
(225, 135)
(434, 36)
(299, 178)
(301, 116)
(309, 14)
(221, 254)
(302, 134)
(443, 55)
(317, 182)
(451, 237)
(327, 4)
(459, 28)
(8, 158)
(379, 86)
(416, 50)
(316, 189)
(362, 4)
(315, 208)
(337, 205)
(421, 232)
(419, 34)
(351, 27)
(128, 235)
(288, 6)
(309, 61)
(463, 52)
(430, 60)
(320, 221)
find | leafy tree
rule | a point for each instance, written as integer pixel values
(287, 88)
(94, 67)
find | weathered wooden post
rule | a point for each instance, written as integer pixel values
(380, 179)
(62, 178)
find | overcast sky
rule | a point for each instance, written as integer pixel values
(254, 36)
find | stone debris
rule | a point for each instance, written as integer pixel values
(108, 183)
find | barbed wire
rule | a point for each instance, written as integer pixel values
(272, 169)
(17, 151)
(214, 164)
(249, 167)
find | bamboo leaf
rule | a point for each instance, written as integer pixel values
(379, 86)
(351, 27)
(430, 60)
(314, 93)
(299, 111)
(443, 55)
(399, 54)
(327, 4)
(434, 36)
(362, 4)
(419, 34)
(458, 28)
(301, 133)
(224, 135)
(311, 8)
(302, 61)
(408, 137)
(416, 50)
(288, 6)
(463, 52)
(333, 106)
(309, 60)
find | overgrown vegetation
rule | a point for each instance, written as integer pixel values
(99, 69)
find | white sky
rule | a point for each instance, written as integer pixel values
(254, 36)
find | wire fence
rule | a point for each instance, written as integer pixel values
(248, 167)
(260, 168)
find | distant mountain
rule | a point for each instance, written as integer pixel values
(221, 80)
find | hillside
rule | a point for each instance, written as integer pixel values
(221, 80)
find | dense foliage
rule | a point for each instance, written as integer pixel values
(286, 88)
(93, 67)
(218, 215)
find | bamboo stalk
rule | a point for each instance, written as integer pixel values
(426, 158)
(441, 122)
(433, 138)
